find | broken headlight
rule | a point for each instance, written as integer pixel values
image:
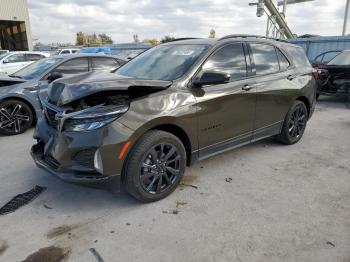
(91, 120)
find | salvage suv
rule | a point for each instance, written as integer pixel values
(170, 106)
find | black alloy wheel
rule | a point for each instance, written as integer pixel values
(297, 122)
(294, 124)
(160, 169)
(154, 166)
(15, 117)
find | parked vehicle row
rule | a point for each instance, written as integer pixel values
(11, 62)
(170, 106)
(19, 101)
(66, 51)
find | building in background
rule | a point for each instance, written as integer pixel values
(15, 31)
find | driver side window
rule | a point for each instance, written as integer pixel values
(16, 58)
(229, 59)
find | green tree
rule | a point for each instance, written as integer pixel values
(80, 39)
(167, 38)
(152, 41)
(105, 39)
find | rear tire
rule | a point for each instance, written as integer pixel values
(294, 124)
(154, 166)
(15, 117)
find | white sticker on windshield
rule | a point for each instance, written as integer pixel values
(183, 52)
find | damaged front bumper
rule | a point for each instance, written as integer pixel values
(89, 158)
(71, 177)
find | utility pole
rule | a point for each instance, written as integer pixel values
(346, 17)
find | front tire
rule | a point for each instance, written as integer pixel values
(15, 117)
(294, 124)
(154, 166)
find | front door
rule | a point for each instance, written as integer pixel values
(226, 112)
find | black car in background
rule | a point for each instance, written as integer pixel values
(334, 77)
(324, 58)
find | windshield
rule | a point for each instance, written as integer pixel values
(36, 69)
(164, 62)
(3, 55)
(341, 59)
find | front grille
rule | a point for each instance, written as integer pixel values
(51, 117)
(85, 158)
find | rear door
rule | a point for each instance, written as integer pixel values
(226, 111)
(274, 88)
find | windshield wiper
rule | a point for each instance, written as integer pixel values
(16, 76)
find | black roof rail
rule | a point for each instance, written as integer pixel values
(253, 36)
(184, 38)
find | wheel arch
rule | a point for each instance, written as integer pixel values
(307, 103)
(180, 134)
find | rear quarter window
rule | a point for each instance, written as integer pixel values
(298, 56)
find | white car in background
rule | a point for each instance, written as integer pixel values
(4, 51)
(13, 61)
(66, 51)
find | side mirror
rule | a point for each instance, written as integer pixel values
(6, 61)
(211, 78)
(54, 76)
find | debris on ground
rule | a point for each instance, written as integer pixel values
(179, 203)
(96, 241)
(48, 254)
(96, 255)
(189, 185)
(128, 224)
(3, 247)
(21, 200)
(330, 243)
(173, 212)
(47, 207)
(61, 230)
(228, 179)
(112, 232)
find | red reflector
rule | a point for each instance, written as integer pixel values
(124, 149)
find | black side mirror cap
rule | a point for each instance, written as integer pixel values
(211, 78)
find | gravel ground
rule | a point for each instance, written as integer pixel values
(262, 202)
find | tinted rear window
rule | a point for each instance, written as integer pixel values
(265, 58)
(298, 56)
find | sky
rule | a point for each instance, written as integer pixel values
(55, 21)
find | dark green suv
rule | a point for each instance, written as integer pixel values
(172, 105)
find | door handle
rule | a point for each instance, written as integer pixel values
(290, 77)
(246, 87)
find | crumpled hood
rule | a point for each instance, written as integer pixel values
(6, 80)
(66, 90)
